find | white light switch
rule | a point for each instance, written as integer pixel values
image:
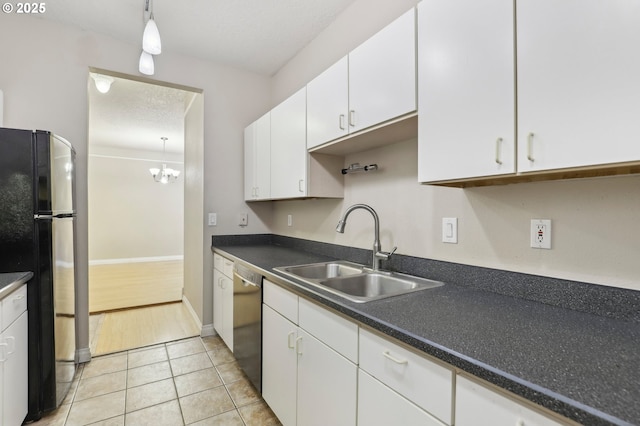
(450, 230)
(213, 219)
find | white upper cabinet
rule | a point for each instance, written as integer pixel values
(382, 75)
(578, 83)
(328, 104)
(257, 159)
(466, 101)
(289, 147)
(375, 83)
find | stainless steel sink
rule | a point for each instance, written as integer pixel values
(319, 271)
(356, 283)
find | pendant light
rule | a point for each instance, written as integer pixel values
(151, 37)
(146, 65)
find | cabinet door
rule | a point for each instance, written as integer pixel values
(327, 384)
(578, 83)
(478, 405)
(328, 104)
(466, 73)
(279, 372)
(382, 75)
(289, 147)
(380, 406)
(217, 302)
(15, 376)
(257, 159)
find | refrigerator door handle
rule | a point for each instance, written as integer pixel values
(42, 216)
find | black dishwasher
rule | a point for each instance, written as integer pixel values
(247, 322)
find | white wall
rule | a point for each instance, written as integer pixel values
(130, 215)
(596, 237)
(44, 77)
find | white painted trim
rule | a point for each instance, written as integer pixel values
(83, 355)
(135, 260)
(208, 330)
(192, 312)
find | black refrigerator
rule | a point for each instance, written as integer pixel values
(37, 234)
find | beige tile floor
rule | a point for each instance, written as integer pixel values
(193, 381)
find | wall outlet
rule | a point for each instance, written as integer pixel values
(450, 230)
(289, 220)
(213, 219)
(243, 219)
(541, 233)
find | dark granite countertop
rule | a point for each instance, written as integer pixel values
(583, 366)
(9, 282)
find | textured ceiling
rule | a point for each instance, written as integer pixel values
(255, 35)
(135, 115)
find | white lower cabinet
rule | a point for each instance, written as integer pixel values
(14, 355)
(379, 405)
(223, 299)
(425, 383)
(304, 380)
(479, 405)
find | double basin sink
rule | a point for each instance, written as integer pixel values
(355, 282)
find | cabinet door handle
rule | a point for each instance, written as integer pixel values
(299, 346)
(12, 340)
(290, 344)
(300, 184)
(530, 147)
(498, 150)
(388, 355)
(3, 358)
(341, 121)
(352, 118)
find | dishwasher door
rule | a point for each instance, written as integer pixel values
(247, 327)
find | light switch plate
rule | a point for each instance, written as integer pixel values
(541, 233)
(213, 219)
(243, 219)
(450, 230)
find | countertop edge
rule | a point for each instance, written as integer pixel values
(17, 279)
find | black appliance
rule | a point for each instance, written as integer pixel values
(37, 234)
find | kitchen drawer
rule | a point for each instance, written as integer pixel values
(479, 405)
(223, 265)
(379, 405)
(336, 332)
(13, 305)
(282, 301)
(423, 382)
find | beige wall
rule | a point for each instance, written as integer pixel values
(44, 77)
(595, 234)
(130, 215)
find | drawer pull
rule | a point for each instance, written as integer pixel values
(13, 344)
(388, 355)
(290, 344)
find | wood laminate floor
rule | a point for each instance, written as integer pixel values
(139, 327)
(127, 285)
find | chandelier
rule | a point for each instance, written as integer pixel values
(164, 174)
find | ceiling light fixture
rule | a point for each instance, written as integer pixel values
(164, 174)
(146, 65)
(151, 44)
(103, 82)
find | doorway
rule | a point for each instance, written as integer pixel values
(136, 217)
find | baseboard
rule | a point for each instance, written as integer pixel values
(135, 260)
(83, 355)
(208, 330)
(192, 312)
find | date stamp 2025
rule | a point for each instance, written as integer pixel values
(24, 8)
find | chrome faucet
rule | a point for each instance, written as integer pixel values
(377, 253)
